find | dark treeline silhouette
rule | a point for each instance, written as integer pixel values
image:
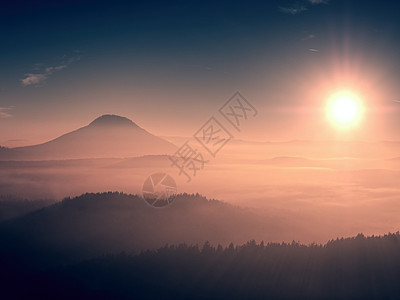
(78, 248)
(353, 268)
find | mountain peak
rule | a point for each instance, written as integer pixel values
(112, 120)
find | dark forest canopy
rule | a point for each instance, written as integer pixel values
(81, 246)
(352, 268)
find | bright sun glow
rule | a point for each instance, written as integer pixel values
(345, 109)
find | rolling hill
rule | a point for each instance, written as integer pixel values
(95, 224)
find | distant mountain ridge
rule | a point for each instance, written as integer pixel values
(105, 137)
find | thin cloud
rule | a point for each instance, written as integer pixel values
(308, 37)
(39, 78)
(33, 79)
(50, 70)
(313, 50)
(293, 10)
(73, 59)
(4, 112)
(298, 8)
(318, 1)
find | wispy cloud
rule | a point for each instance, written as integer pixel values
(318, 1)
(37, 79)
(293, 10)
(313, 50)
(4, 112)
(33, 79)
(300, 7)
(308, 37)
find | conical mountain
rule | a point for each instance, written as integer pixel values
(105, 137)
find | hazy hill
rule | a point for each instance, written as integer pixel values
(107, 136)
(94, 224)
(11, 207)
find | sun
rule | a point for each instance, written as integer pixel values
(345, 109)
